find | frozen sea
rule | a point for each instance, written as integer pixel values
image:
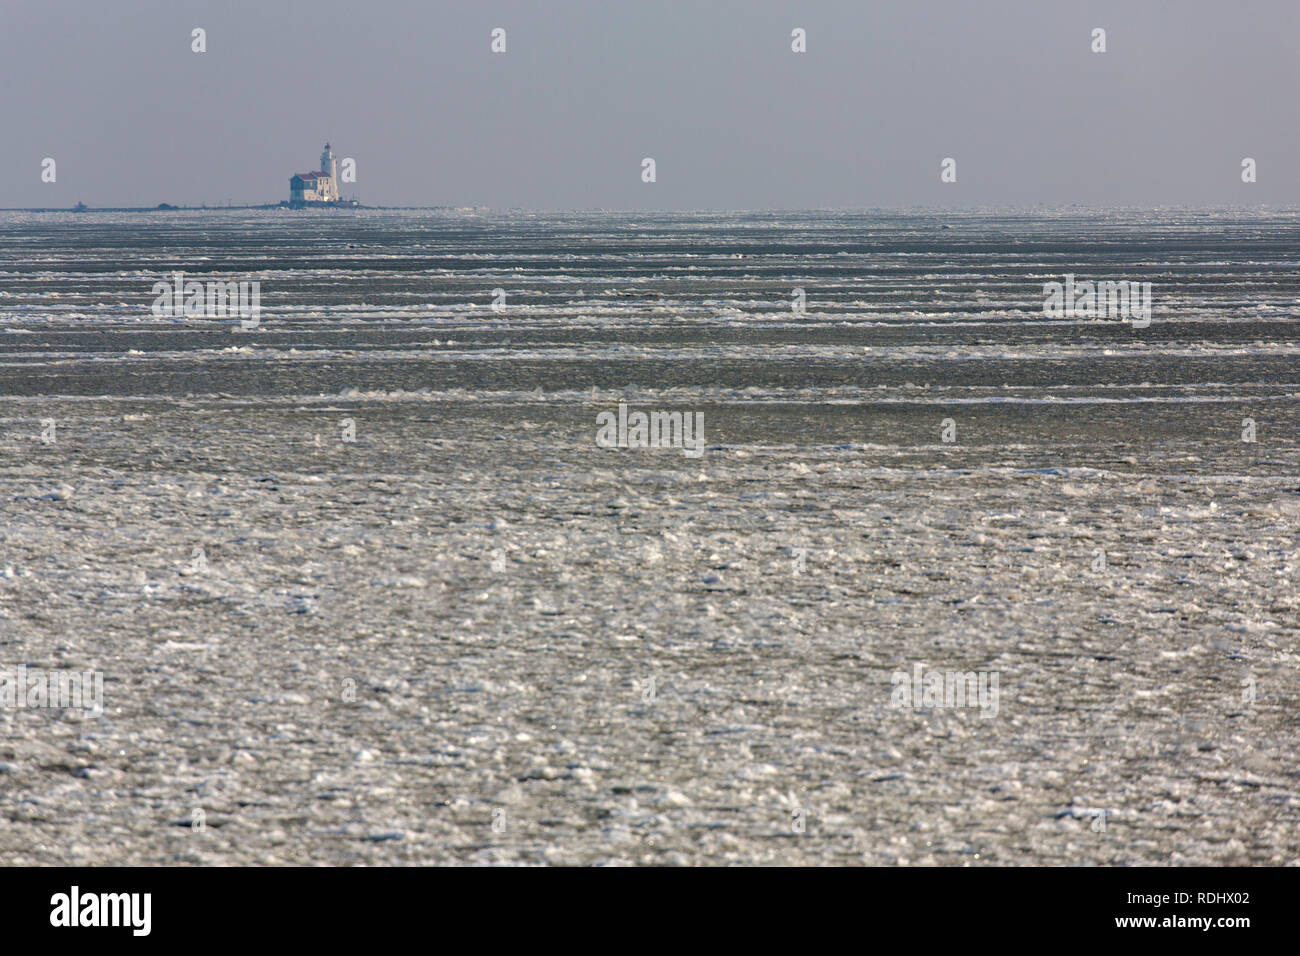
(363, 589)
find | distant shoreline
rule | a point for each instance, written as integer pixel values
(90, 209)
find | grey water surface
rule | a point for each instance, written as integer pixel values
(363, 588)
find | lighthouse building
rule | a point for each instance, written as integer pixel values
(317, 187)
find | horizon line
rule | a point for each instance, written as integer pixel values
(954, 210)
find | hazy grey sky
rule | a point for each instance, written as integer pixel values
(711, 90)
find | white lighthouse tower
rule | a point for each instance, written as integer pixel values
(328, 188)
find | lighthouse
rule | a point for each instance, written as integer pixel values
(328, 187)
(319, 188)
